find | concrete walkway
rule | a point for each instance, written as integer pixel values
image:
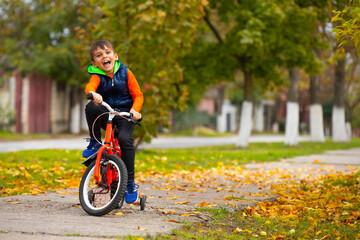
(171, 200)
(161, 142)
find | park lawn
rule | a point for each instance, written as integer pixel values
(47, 170)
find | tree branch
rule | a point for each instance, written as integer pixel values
(213, 29)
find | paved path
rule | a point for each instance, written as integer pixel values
(162, 142)
(171, 200)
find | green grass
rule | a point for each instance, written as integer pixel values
(164, 160)
(10, 136)
(24, 171)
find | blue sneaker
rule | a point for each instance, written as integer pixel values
(92, 148)
(131, 193)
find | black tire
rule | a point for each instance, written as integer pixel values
(121, 203)
(142, 202)
(100, 199)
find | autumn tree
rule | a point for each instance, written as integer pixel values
(320, 12)
(37, 36)
(339, 133)
(250, 44)
(297, 39)
(346, 21)
(348, 26)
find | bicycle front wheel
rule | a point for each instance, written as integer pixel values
(100, 198)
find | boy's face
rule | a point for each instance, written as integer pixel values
(105, 59)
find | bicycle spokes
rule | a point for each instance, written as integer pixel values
(101, 192)
(99, 196)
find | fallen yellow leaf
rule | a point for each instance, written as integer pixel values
(141, 229)
(174, 221)
(247, 230)
(185, 202)
(169, 212)
(237, 230)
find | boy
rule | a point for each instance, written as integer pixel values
(114, 83)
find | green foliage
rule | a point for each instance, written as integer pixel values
(252, 37)
(38, 37)
(259, 37)
(347, 20)
(299, 36)
(7, 118)
(206, 64)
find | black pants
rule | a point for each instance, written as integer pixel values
(125, 135)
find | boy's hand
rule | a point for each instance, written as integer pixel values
(97, 98)
(136, 115)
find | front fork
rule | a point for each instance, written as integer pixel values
(110, 173)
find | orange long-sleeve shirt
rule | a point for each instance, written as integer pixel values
(133, 86)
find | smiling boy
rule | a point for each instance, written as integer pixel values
(111, 81)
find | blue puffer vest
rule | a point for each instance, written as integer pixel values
(114, 91)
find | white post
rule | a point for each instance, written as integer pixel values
(348, 129)
(245, 125)
(75, 119)
(84, 126)
(338, 125)
(316, 123)
(25, 106)
(292, 123)
(221, 122)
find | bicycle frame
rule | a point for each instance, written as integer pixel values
(109, 139)
(110, 146)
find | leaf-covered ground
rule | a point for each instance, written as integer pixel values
(310, 205)
(326, 207)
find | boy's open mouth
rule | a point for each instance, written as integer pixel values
(106, 63)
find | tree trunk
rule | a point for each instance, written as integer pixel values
(246, 112)
(316, 113)
(338, 115)
(274, 116)
(259, 117)
(292, 109)
(220, 98)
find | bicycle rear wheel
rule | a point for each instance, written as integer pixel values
(100, 199)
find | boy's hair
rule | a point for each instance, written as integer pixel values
(100, 44)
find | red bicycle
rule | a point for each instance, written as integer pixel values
(103, 184)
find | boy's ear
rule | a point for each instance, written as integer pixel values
(116, 56)
(93, 63)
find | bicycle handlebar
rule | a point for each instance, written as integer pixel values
(111, 110)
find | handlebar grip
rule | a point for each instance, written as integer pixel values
(89, 96)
